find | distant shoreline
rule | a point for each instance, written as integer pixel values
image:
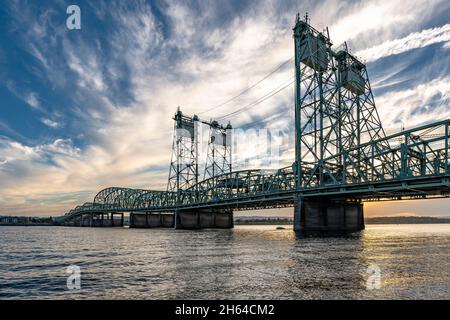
(241, 223)
(371, 220)
(406, 220)
(27, 225)
(259, 220)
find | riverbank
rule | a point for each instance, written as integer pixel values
(406, 220)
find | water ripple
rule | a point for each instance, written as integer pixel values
(249, 262)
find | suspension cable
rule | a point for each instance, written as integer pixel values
(250, 87)
(265, 97)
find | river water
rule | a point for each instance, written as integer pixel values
(247, 262)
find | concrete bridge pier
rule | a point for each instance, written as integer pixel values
(327, 216)
(101, 219)
(203, 218)
(116, 222)
(151, 220)
(86, 219)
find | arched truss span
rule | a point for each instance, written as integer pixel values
(244, 183)
(227, 186)
(115, 198)
(152, 199)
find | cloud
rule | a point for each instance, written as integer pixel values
(51, 123)
(59, 147)
(30, 175)
(13, 151)
(31, 98)
(428, 207)
(365, 23)
(10, 131)
(405, 214)
(412, 41)
(415, 106)
(86, 67)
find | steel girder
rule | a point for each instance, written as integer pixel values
(183, 171)
(117, 199)
(243, 183)
(76, 212)
(334, 108)
(218, 160)
(411, 153)
(155, 200)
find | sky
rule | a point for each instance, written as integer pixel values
(82, 110)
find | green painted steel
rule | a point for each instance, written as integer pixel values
(342, 152)
(335, 111)
(183, 171)
(218, 159)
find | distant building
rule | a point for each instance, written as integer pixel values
(262, 220)
(25, 221)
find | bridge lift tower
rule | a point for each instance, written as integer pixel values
(334, 111)
(219, 159)
(184, 169)
(183, 173)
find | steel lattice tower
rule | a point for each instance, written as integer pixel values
(218, 160)
(183, 173)
(334, 111)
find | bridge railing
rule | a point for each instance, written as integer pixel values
(418, 152)
(240, 184)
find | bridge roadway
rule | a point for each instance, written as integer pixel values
(418, 169)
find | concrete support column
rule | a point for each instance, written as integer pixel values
(224, 220)
(324, 215)
(298, 213)
(151, 220)
(131, 220)
(361, 217)
(203, 218)
(177, 220)
(167, 220)
(188, 219)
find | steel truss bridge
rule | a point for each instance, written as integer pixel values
(342, 152)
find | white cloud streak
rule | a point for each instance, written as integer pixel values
(412, 41)
(51, 123)
(415, 106)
